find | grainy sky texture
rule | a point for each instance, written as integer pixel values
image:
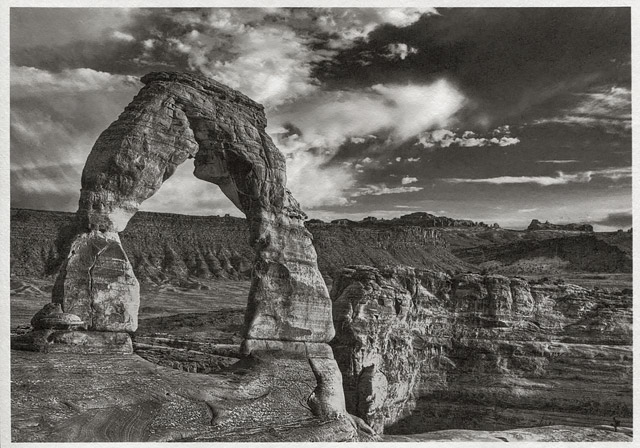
(496, 115)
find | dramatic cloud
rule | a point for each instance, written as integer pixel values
(355, 97)
(348, 26)
(559, 179)
(327, 120)
(444, 138)
(268, 54)
(272, 66)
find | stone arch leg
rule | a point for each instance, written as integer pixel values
(174, 117)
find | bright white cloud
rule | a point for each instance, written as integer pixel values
(311, 182)
(119, 35)
(444, 138)
(401, 17)
(399, 51)
(409, 180)
(29, 81)
(272, 66)
(349, 25)
(328, 119)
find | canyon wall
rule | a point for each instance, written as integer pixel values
(420, 350)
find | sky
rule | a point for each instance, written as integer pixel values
(492, 114)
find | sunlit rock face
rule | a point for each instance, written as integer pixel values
(177, 116)
(415, 343)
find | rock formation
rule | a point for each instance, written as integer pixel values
(177, 116)
(537, 225)
(408, 338)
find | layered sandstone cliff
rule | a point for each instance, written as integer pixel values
(420, 350)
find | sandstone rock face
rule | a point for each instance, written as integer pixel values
(381, 319)
(461, 345)
(98, 284)
(177, 116)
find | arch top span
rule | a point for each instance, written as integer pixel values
(174, 117)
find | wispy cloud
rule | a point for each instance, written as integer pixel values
(557, 161)
(380, 189)
(559, 179)
(608, 109)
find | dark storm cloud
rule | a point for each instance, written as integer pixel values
(620, 220)
(508, 60)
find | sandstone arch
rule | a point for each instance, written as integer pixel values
(174, 117)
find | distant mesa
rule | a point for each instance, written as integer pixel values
(419, 219)
(580, 227)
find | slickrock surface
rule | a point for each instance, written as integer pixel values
(422, 351)
(556, 433)
(116, 398)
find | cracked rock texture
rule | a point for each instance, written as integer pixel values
(98, 285)
(177, 116)
(419, 349)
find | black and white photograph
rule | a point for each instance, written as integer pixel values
(380, 223)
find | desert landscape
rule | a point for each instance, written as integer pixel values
(462, 347)
(146, 308)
